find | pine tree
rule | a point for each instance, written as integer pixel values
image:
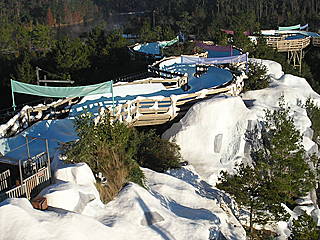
(284, 157)
(247, 188)
(280, 173)
(71, 55)
(24, 70)
(304, 228)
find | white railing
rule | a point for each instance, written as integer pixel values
(35, 180)
(29, 185)
(157, 110)
(16, 192)
(4, 180)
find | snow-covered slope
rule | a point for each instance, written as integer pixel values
(212, 134)
(173, 207)
(180, 204)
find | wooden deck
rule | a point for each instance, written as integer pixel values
(294, 48)
(283, 45)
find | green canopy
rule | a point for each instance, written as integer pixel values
(169, 43)
(295, 27)
(60, 92)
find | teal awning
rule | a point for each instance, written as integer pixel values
(60, 92)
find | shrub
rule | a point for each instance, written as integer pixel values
(108, 149)
(156, 153)
(116, 150)
(113, 166)
(257, 77)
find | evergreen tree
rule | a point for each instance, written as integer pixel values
(25, 72)
(71, 55)
(304, 228)
(284, 156)
(280, 173)
(257, 77)
(41, 38)
(247, 188)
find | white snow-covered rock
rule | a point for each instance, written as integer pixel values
(18, 220)
(212, 135)
(74, 189)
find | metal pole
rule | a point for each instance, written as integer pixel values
(113, 108)
(20, 170)
(28, 150)
(12, 94)
(48, 155)
(37, 73)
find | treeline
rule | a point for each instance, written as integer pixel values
(52, 13)
(192, 16)
(195, 16)
(96, 57)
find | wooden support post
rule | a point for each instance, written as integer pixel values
(300, 61)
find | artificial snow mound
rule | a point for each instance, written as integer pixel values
(171, 208)
(74, 189)
(211, 135)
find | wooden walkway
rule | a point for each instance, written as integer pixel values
(142, 111)
(294, 48)
(157, 110)
(283, 45)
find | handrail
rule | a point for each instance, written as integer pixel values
(157, 110)
(5, 180)
(283, 45)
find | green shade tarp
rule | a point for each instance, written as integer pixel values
(60, 92)
(295, 27)
(169, 43)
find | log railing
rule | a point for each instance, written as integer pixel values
(158, 110)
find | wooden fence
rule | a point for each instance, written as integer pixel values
(50, 111)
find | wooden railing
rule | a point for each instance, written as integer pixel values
(27, 114)
(158, 110)
(42, 176)
(168, 83)
(283, 45)
(5, 180)
(16, 192)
